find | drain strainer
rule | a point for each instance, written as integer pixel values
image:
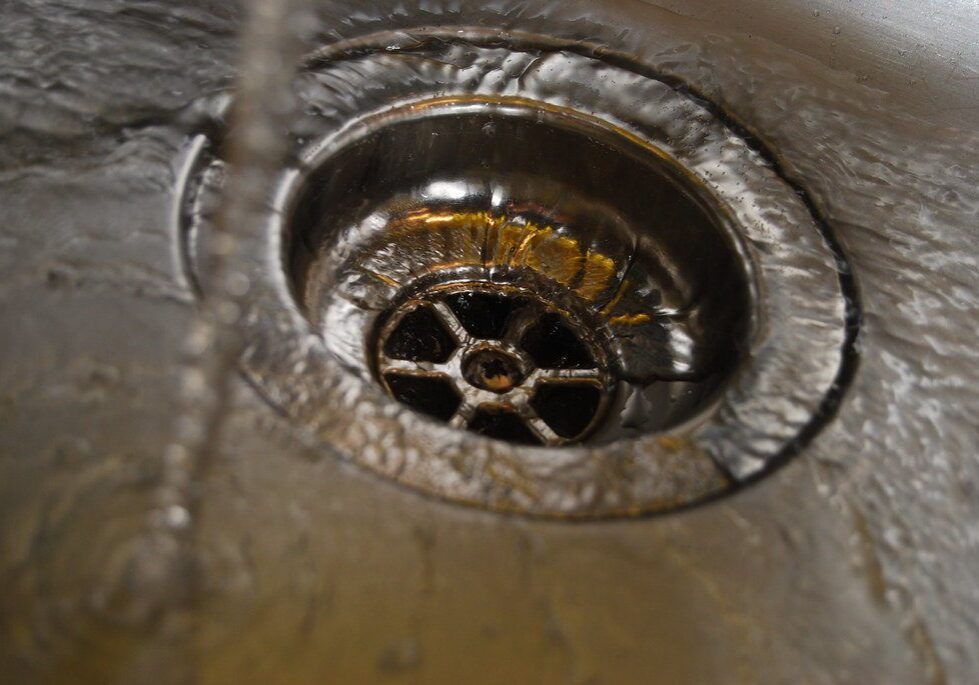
(525, 278)
(498, 361)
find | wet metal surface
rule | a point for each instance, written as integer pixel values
(729, 317)
(853, 563)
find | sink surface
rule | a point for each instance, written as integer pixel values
(123, 558)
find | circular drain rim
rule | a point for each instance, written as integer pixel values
(735, 441)
(518, 399)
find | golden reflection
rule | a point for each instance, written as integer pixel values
(494, 241)
(629, 319)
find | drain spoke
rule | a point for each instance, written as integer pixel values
(413, 368)
(542, 430)
(519, 322)
(464, 414)
(520, 401)
(451, 322)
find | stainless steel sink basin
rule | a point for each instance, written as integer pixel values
(210, 470)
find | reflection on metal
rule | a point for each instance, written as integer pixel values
(499, 241)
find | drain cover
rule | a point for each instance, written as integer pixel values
(528, 279)
(497, 360)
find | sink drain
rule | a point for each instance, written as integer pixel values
(496, 360)
(534, 280)
(636, 282)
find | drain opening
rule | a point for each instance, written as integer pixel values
(497, 361)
